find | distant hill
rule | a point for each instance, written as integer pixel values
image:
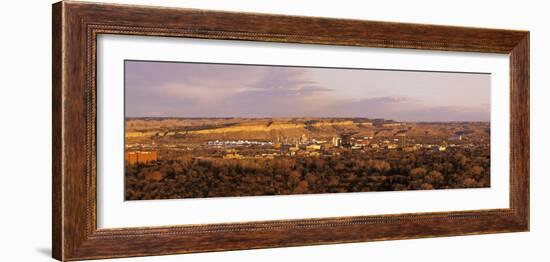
(270, 128)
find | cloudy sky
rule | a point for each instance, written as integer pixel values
(163, 89)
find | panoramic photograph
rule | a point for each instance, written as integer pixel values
(200, 130)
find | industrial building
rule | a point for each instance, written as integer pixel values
(141, 157)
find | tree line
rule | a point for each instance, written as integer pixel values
(188, 177)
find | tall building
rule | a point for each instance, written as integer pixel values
(336, 141)
(402, 140)
(303, 139)
(346, 140)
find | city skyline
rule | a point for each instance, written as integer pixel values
(168, 89)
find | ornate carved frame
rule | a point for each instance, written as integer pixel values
(76, 26)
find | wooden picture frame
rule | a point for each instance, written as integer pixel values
(76, 26)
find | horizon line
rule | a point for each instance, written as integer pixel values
(268, 117)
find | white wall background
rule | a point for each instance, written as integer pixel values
(25, 147)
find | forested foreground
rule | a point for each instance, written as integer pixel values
(349, 172)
